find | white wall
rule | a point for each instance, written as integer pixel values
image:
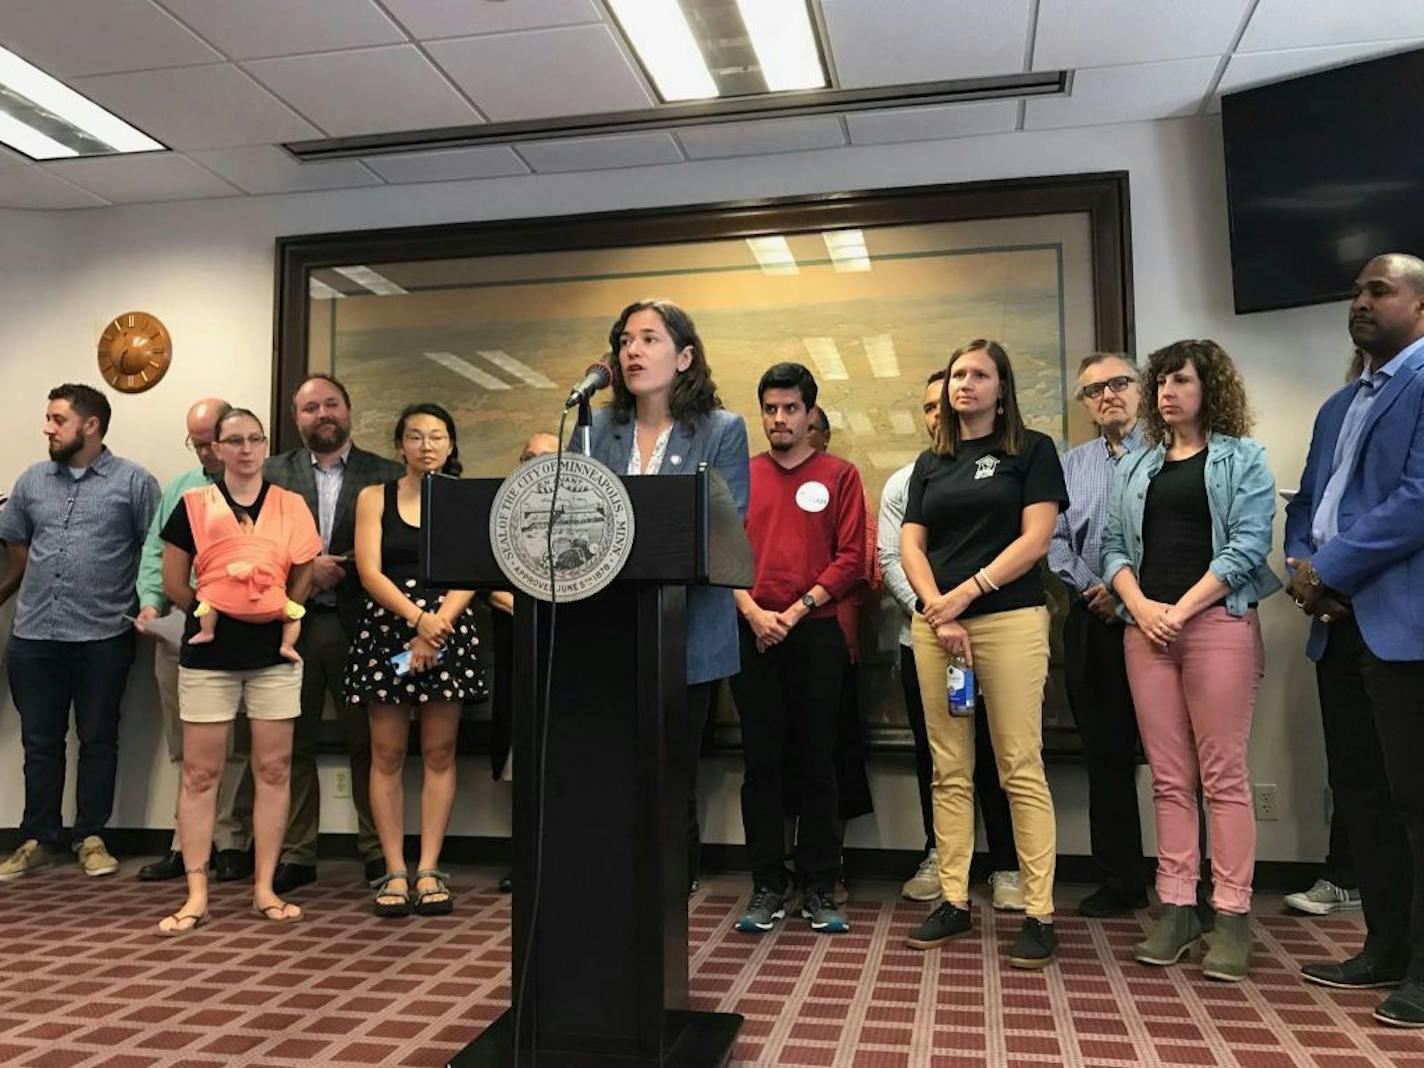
(206, 267)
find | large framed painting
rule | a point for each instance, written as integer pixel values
(871, 291)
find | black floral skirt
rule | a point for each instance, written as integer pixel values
(381, 635)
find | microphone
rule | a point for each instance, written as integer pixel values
(596, 376)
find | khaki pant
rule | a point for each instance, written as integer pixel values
(1010, 668)
(233, 829)
(323, 648)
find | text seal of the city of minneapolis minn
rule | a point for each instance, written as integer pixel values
(593, 527)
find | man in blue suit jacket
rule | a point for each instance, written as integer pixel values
(1355, 538)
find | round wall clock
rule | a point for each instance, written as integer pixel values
(134, 352)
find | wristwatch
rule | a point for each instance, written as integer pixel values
(809, 602)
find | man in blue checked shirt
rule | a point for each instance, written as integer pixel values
(1095, 672)
(72, 530)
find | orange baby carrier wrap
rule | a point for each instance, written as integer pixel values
(242, 572)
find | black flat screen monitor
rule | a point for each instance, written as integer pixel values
(1323, 172)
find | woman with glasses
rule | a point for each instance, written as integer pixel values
(1184, 549)
(239, 519)
(413, 656)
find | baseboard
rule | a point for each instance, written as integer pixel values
(891, 865)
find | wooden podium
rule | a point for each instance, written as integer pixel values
(604, 982)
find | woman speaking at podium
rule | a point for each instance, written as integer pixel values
(665, 419)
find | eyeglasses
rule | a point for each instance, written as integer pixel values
(1117, 384)
(435, 438)
(196, 446)
(237, 441)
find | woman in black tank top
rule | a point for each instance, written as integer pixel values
(413, 654)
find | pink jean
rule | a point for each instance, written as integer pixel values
(1194, 703)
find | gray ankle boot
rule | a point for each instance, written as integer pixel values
(1175, 932)
(1229, 956)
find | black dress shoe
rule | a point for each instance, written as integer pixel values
(506, 883)
(168, 866)
(290, 876)
(375, 870)
(1355, 973)
(232, 864)
(1109, 901)
(1404, 1007)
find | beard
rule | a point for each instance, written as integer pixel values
(326, 436)
(62, 454)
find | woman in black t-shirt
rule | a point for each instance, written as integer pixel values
(982, 505)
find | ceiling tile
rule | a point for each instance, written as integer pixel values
(932, 123)
(601, 153)
(374, 90)
(1129, 93)
(758, 138)
(1245, 71)
(924, 40)
(32, 187)
(215, 106)
(460, 18)
(1280, 24)
(507, 75)
(1103, 33)
(267, 169)
(11, 159)
(254, 28)
(69, 38)
(449, 165)
(151, 176)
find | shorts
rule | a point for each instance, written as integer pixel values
(214, 696)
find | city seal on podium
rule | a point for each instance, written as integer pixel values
(593, 527)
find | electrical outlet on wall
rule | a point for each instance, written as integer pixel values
(341, 783)
(1268, 806)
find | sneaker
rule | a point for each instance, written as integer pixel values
(924, 884)
(1008, 894)
(1324, 898)
(766, 907)
(940, 926)
(823, 912)
(95, 859)
(1036, 945)
(29, 857)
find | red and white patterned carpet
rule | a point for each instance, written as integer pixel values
(86, 984)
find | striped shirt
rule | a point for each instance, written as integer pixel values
(1075, 553)
(84, 536)
(328, 492)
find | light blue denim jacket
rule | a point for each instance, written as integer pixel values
(1241, 496)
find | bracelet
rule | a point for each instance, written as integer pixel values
(978, 582)
(416, 621)
(981, 573)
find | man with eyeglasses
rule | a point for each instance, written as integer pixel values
(329, 470)
(1094, 668)
(232, 834)
(72, 530)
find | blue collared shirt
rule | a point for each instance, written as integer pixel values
(328, 491)
(84, 536)
(1347, 445)
(1077, 546)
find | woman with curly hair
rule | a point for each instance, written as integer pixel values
(1184, 550)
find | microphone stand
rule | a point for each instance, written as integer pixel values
(583, 428)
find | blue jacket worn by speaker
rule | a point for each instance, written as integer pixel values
(1241, 496)
(718, 439)
(1377, 557)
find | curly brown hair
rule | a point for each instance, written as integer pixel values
(694, 393)
(1224, 407)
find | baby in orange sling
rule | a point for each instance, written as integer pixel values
(242, 568)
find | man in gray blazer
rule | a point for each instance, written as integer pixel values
(328, 470)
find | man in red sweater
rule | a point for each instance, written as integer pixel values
(806, 524)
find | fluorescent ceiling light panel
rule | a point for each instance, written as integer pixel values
(773, 254)
(35, 100)
(833, 416)
(659, 32)
(366, 278)
(827, 357)
(880, 354)
(861, 425)
(903, 423)
(465, 369)
(31, 142)
(784, 42)
(319, 290)
(518, 369)
(847, 249)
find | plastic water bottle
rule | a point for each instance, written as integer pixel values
(959, 681)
